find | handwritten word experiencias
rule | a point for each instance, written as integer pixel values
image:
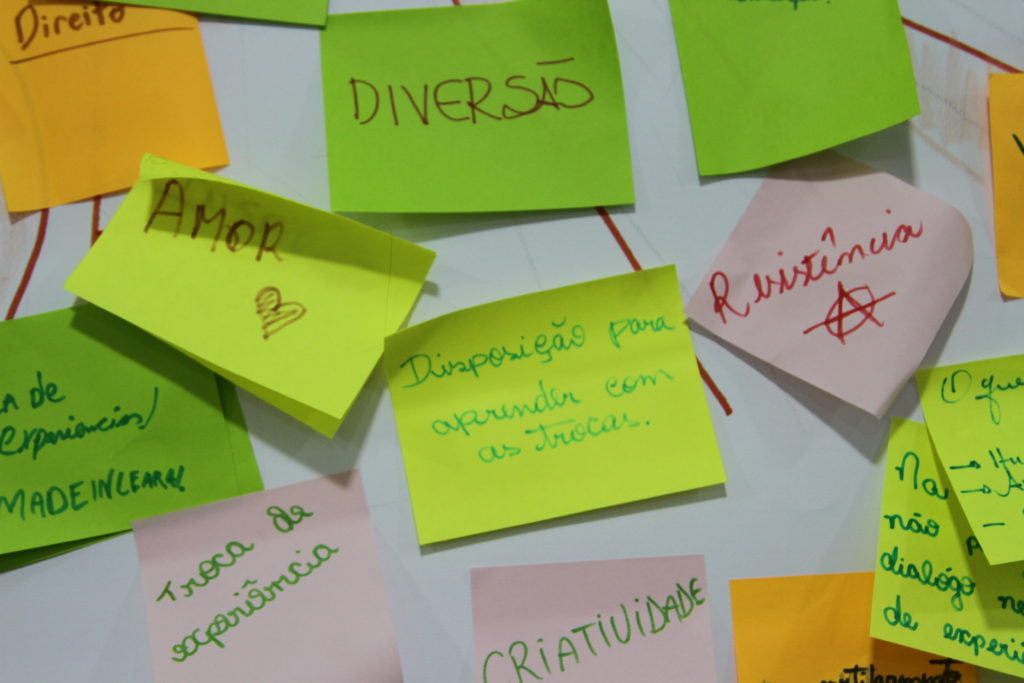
(810, 268)
(30, 23)
(169, 214)
(543, 346)
(651, 616)
(471, 99)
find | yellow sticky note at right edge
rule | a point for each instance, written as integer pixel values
(1006, 133)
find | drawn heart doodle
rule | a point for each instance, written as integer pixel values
(276, 314)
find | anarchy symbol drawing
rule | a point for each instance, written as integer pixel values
(859, 301)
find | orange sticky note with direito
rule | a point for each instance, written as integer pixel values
(87, 88)
(816, 628)
(1006, 135)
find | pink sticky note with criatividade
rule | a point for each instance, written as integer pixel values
(278, 585)
(838, 274)
(601, 621)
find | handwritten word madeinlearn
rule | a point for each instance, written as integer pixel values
(30, 23)
(240, 233)
(656, 614)
(812, 267)
(463, 99)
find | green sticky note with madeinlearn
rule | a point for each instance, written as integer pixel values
(100, 425)
(285, 300)
(309, 12)
(771, 80)
(549, 404)
(496, 107)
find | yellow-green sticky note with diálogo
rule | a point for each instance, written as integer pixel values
(549, 404)
(934, 590)
(101, 424)
(492, 107)
(975, 414)
(288, 301)
(308, 12)
(771, 80)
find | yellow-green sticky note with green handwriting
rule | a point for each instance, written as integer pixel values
(549, 404)
(934, 590)
(771, 80)
(975, 414)
(489, 107)
(290, 302)
(309, 12)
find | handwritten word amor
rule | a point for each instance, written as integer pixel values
(811, 268)
(256, 599)
(546, 400)
(36, 438)
(463, 99)
(423, 366)
(29, 22)
(208, 570)
(958, 384)
(656, 613)
(59, 499)
(240, 233)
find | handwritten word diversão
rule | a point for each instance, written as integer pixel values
(30, 23)
(240, 233)
(543, 346)
(656, 614)
(459, 100)
(812, 267)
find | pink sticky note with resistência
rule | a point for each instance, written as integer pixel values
(278, 585)
(840, 275)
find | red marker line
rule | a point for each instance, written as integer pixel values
(44, 217)
(628, 253)
(948, 40)
(95, 232)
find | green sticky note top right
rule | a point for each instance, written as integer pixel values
(497, 107)
(975, 415)
(101, 424)
(771, 80)
(549, 404)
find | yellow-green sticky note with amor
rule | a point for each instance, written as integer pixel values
(934, 589)
(490, 107)
(549, 404)
(309, 12)
(975, 414)
(768, 81)
(289, 302)
(101, 424)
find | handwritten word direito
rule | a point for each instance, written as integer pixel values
(811, 268)
(462, 99)
(29, 22)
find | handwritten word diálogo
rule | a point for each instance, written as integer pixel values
(274, 313)
(849, 302)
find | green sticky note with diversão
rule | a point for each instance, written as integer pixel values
(934, 589)
(975, 414)
(101, 424)
(495, 107)
(289, 302)
(550, 404)
(310, 12)
(767, 81)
